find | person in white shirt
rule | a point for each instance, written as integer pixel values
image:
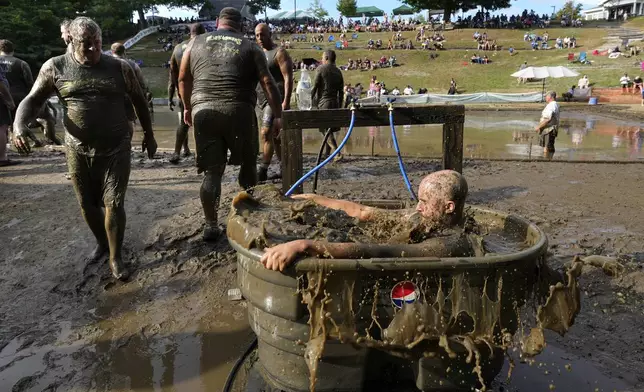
(408, 90)
(625, 81)
(548, 127)
(583, 82)
(395, 91)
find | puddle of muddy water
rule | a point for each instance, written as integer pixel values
(556, 370)
(487, 135)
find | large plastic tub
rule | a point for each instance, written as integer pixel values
(279, 318)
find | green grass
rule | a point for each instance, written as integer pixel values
(417, 70)
(635, 23)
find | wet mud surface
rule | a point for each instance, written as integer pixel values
(67, 326)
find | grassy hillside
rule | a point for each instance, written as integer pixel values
(419, 71)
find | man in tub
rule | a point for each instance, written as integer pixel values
(441, 199)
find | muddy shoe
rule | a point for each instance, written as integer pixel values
(119, 271)
(174, 159)
(262, 174)
(211, 232)
(276, 176)
(338, 158)
(186, 153)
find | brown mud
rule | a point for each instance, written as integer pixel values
(66, 326)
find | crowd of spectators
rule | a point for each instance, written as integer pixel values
(527, 19)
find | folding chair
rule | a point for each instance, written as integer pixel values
(338, 45)
(571, 57)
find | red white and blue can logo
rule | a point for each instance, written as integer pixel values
(404, 292)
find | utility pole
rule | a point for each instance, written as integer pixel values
(553, 11)
(295, 10)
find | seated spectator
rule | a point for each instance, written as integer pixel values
(422, 90)
(583, 82)
(395, 91)
(625, 81)
(378, 44)
(408, 90)
(370, 44)
(383, 62)
(569, 94)
(511, 50)
(637, 83)
(392, 61)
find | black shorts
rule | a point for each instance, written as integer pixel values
(223, 128)
(100, 181)
(547, 140)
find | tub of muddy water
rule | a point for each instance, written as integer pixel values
(337, 325)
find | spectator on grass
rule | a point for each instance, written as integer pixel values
(583, 82)
(523, 66)
(395, 91)
(625, 81)
(637, 83)
(408, 90)
(569, 94)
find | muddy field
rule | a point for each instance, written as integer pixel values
(65, 326)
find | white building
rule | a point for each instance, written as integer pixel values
(614, 9)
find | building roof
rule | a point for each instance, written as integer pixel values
(218, 5)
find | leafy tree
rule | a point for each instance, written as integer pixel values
(569, 10)
(316, 9)
(257, 6)
(347, 7)
(451, 6)
(421, 18)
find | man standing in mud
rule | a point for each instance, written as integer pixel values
(118, 51)
(98, 135)
(17, 72)
(548, 127)
(328, 93)
(441, 200)
(280, 66)
(217, 80)
(173, 83)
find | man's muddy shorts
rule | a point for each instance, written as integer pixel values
(223, 128)
(328, 105)
(101, 180)
(548, 140)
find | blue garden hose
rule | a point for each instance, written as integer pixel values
(329, 158)
(400, 161)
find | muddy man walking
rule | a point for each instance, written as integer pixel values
(91, 87)
(217, 80)
(280, 66)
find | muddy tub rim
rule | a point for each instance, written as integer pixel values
(311, 264)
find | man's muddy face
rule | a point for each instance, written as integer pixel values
(64, 34)
(87, 50)
(433, 207)
(263, 37)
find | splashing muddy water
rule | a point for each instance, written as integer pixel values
(457, 325)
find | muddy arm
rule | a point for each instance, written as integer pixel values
(140, 103)
(173, 80)
(280, 256)
(286, 66)
(42, 89)
(354, 210)
(185, 79)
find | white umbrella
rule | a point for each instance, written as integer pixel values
(545, 72)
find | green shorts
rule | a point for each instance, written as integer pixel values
(100, 181)
(222, 128)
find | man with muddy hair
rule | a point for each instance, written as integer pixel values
(328, 93)
(91, 87)
(173, 83)
(217, 80)
(64, 34)
(280, 66)
(441, 199)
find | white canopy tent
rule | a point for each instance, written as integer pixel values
(544, 73)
